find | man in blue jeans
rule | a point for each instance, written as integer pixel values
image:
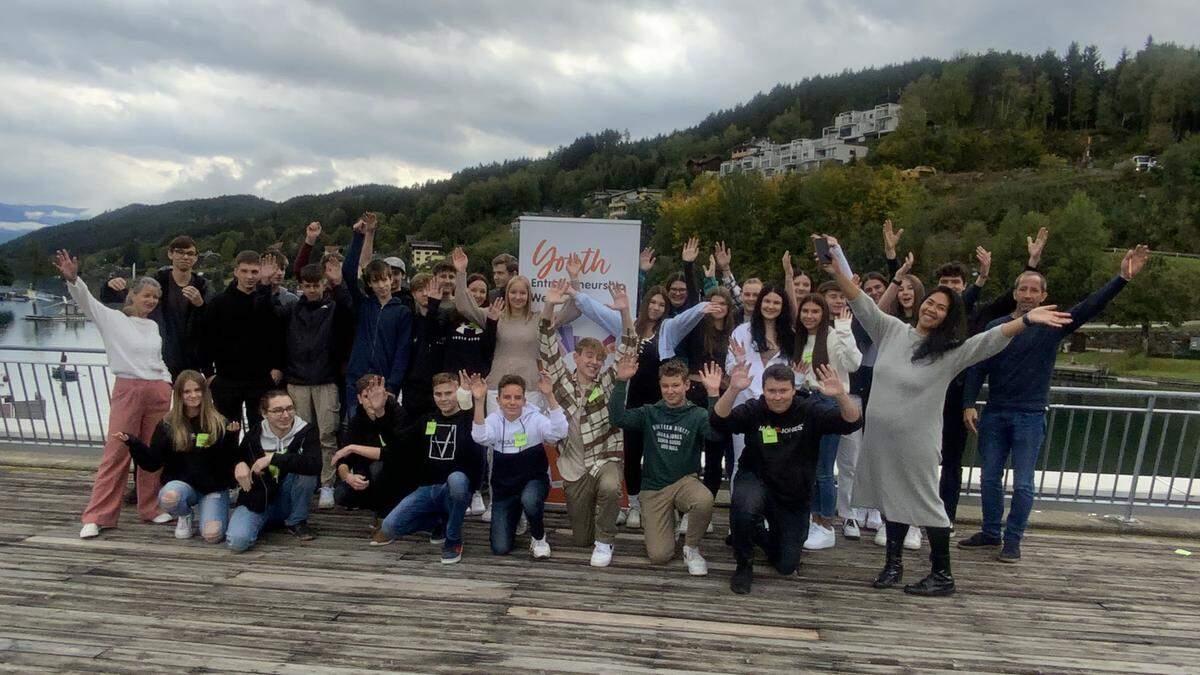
(1014, 421)
(447, 462)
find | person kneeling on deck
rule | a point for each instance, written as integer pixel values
(196, 449)
(369, 475)
(281, 463)
(674, 430)
(520, 471)
(448, 466)
(776, 470)
(590, 456)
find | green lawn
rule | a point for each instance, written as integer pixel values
(1138, 366)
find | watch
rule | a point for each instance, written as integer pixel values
(1025, 320)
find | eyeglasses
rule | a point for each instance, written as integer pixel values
(282, 411)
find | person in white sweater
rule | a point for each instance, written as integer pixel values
(140, 399)
(822, 340)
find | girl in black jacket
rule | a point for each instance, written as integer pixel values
(277, 474)
(196, 449)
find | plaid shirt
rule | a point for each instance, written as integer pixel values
(602, 442)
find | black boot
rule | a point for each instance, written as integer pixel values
(892, 569)
(939, 582)
(743, 576)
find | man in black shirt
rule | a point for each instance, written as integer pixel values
(775, 472)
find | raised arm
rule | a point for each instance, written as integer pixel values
(1133, 262)
(690, 250)
(311, 234)
(890, 297)
(370, 224)
(673, 330)
(350, 275)
(463, 301)
(608, 319)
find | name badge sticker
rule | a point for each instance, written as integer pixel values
(202, 440)
(430, 428)
(594, 394)
(520, 439)
(769, 434)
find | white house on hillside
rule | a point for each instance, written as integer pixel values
(804, 154)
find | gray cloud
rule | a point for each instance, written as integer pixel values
(112, 102)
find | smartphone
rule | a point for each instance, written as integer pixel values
(823, 254)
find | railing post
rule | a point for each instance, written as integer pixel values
(1137, 462)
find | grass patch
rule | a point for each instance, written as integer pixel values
(1137, 365)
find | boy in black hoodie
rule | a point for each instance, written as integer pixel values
(369, 475)
(775, 472)
(281, 458)
(449, 467)
(312, 362)
(243, 342)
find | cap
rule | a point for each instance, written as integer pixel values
(393, 261)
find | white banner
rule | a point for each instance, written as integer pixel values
(608, 248)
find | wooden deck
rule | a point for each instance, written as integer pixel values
(138, 600)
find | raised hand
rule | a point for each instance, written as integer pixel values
(787, 264)
(627, 366)
(710, 270)
(723, 256)
(269, 268)
(67, 266)
(800, 368)
(117, 284)
(193, 295)
(739, 376)
(710, 309)
(333, 273)
(620, 300)
(904, 268)
(556, 292)
(690, 250)
(574, 266)
(891, 237)
(1047, 316)
(1036, 246)
(646, 259)
(710, 377)
(984, 257)
(831, 384)
(478, 387)
(1135, 259)
(370, 222)
(738, 351)
(845, 317)
(459, 258)
(496, 309)
(545, 385)
(312, 233)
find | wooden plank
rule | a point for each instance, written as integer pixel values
(660, 623)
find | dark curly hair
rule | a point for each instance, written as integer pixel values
(947, 335)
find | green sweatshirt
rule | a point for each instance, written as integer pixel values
(672, 438)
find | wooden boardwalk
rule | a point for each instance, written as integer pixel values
(139, 600)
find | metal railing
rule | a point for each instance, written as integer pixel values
(1125, 447)
(1103, 446)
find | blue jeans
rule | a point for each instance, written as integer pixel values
(430, 507)
(1002, 433)
(506, 513)
(289, 508)
(824, 496)
(214, 508)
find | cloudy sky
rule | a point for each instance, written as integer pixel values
(107, 103)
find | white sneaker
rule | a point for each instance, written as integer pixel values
(325, 501)
(522, 525)
(476, 508)
(912, 540)
(89, 531)
(874, 521)
(696, 564)
(540, 548)
(183, 527)
(601, 554)
(634, 520)
(850, 529)
(162, 519)
(681, 528)
(881, 537)
(622, 516)
(819, 537)
(486, 516)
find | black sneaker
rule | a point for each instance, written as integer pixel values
(302, 531)
(743, 576)
(1011, 552)
(438, 535)
(937, 584)
(452, 554)
(979, 540)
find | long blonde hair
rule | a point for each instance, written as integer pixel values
(528, 310)
(209, 421)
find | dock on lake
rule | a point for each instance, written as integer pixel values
(137, 600)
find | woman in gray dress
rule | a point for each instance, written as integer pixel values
(898, 463)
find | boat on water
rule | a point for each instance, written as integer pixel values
(70, 312)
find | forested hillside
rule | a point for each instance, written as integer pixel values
(1018, 141)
